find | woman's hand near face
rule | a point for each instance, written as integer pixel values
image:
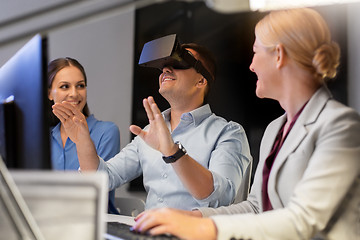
(175, 222)
(73, 121)
(75, 125)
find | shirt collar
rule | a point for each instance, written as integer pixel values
(197, 115)
(56, 130)
(91, 121)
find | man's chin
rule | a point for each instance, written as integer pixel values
(259, 94)
(162, 91)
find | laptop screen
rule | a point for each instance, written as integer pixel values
(65, 205)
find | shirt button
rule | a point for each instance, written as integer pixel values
(165, 175)
(160, 200)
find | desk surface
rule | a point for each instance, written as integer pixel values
(119, 218)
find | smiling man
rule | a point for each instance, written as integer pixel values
(189, 157)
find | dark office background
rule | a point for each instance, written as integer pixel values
(230, 38)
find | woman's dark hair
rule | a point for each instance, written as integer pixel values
(207, 59)
(53, 68)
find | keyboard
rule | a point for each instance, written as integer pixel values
(122, 231)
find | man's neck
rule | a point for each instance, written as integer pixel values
(176, 111)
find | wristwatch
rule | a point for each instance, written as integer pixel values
(179, 153)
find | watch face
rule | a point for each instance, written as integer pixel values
(183, 149)
(181, 146)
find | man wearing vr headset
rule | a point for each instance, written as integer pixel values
(189, 157)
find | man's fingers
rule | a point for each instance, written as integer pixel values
(136, 130)
(148, 110)
(154, 108)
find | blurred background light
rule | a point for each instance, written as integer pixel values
(266, 5)
(234, 6)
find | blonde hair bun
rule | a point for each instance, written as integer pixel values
(326, 60)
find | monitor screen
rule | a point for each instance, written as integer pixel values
(24, 125)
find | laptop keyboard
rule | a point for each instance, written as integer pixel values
(122, 231)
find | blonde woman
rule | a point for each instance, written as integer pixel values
(307, 181)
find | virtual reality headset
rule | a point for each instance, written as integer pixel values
(167, 51)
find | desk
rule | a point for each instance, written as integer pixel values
(119, 218)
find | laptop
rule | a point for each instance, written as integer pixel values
(65, 205)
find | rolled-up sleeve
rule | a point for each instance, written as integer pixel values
(228, 163)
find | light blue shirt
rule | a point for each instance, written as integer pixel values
(218, 145)
(106, 138)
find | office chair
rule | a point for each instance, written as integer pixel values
(129, 206)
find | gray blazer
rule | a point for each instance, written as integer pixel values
(314, 184)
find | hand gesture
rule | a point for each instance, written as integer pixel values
(73, 121)
(158, 135)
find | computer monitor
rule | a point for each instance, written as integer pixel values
(65, 205)
(24, 125)
(43, 205)
(40, 204)
(16, 220)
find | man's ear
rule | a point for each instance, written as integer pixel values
(280, 55)
(202, 82)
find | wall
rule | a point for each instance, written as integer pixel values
(102, 43)
(354, 56)
(105, 49)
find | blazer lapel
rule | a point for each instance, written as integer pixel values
(265, 148)
(271, 133)
(299, 131)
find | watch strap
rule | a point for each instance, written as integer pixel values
(179, 153)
